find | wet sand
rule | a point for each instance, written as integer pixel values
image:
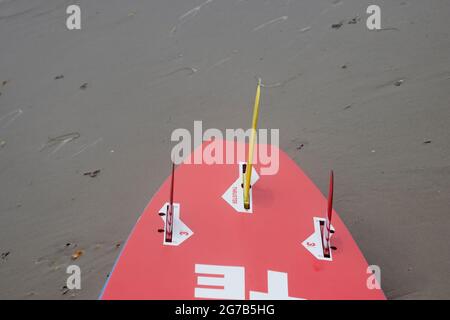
(372, 105)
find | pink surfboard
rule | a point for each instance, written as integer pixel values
(284, 247)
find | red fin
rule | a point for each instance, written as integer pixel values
(169, 217)
(330, 196)
(326, 231)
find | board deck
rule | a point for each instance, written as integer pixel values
(225, 254)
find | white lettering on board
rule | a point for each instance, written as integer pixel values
(230, 283)
(230, 280)
(277, 288)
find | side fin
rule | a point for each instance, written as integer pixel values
(169, 218)
(327, 228)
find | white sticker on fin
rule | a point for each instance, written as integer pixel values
(235, 193)
(181, 231)
(314, 243)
